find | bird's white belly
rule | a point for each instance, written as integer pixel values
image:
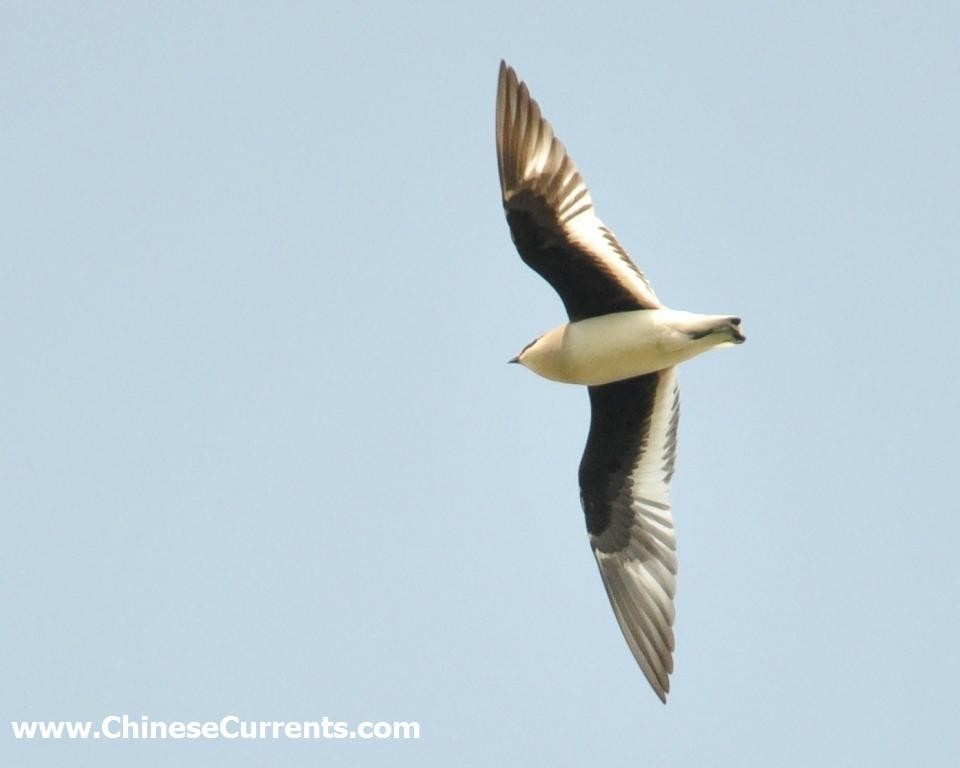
(622, 345)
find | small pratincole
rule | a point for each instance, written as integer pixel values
(624, 345)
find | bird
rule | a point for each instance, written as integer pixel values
(624, 345)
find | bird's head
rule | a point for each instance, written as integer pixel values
(523, 352)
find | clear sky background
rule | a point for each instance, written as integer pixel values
(260, 452)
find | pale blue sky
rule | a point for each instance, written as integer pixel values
(260, 452)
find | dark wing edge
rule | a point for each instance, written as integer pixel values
(551, 215)
(625, 478)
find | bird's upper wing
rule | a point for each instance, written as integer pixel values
(624, 487)
(551, 215)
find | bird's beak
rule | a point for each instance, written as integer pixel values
(514, 359)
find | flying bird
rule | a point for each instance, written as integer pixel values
(624, 345)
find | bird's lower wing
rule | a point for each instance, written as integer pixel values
(624, 486)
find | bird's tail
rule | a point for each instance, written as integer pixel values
(724, 329)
